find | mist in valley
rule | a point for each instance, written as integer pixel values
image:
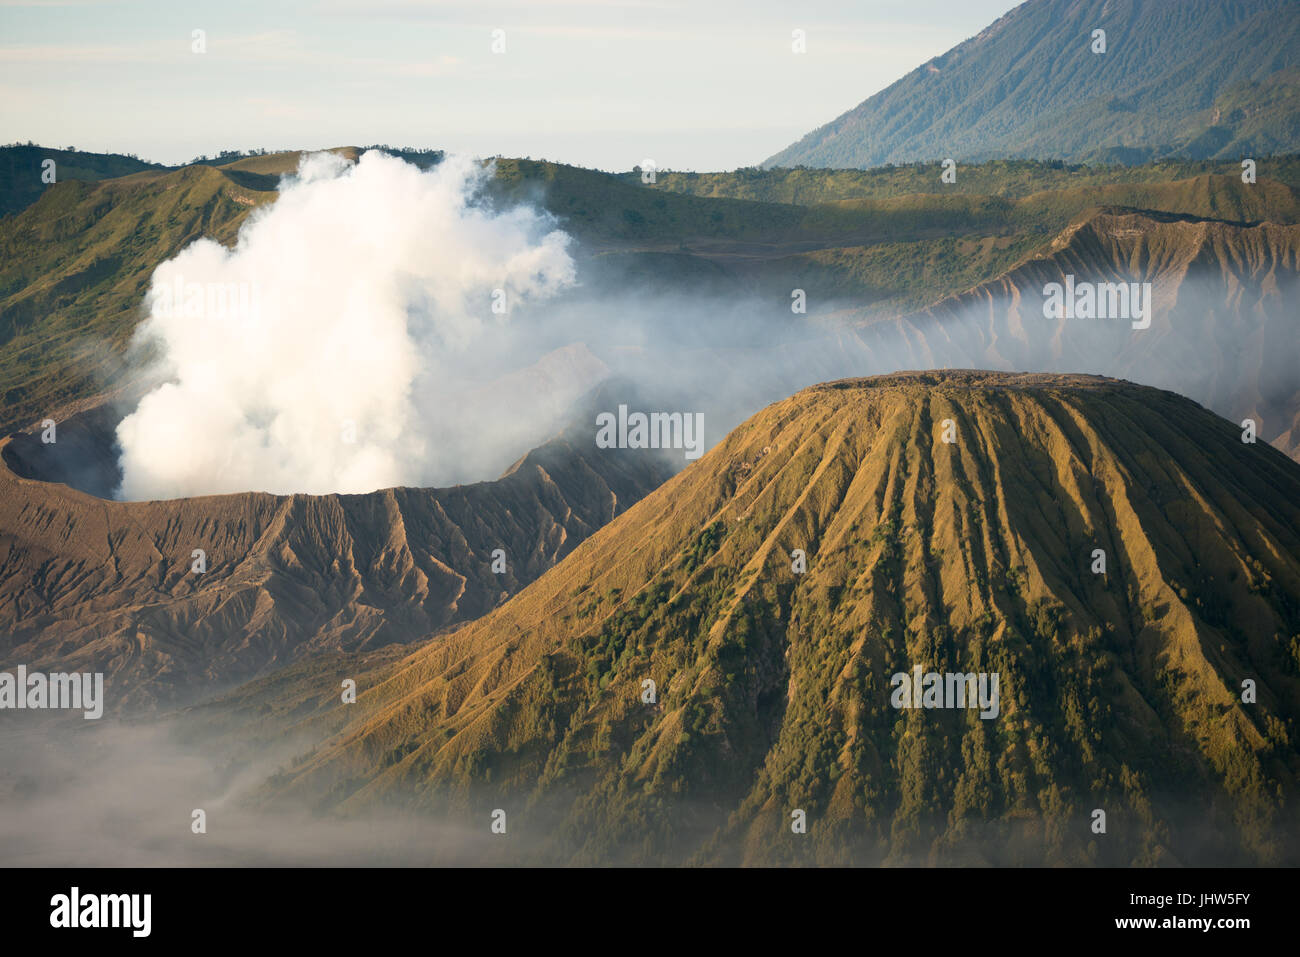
(123, 794)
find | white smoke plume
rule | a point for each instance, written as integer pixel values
(335, 347)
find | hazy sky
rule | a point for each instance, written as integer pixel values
(695, 84)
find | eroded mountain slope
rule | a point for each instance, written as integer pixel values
(1120, 691)
(93, 585)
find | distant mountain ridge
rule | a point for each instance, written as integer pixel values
(1189, 78)
(1223, 331)
(26, 171)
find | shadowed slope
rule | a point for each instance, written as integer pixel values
(1184, 78)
